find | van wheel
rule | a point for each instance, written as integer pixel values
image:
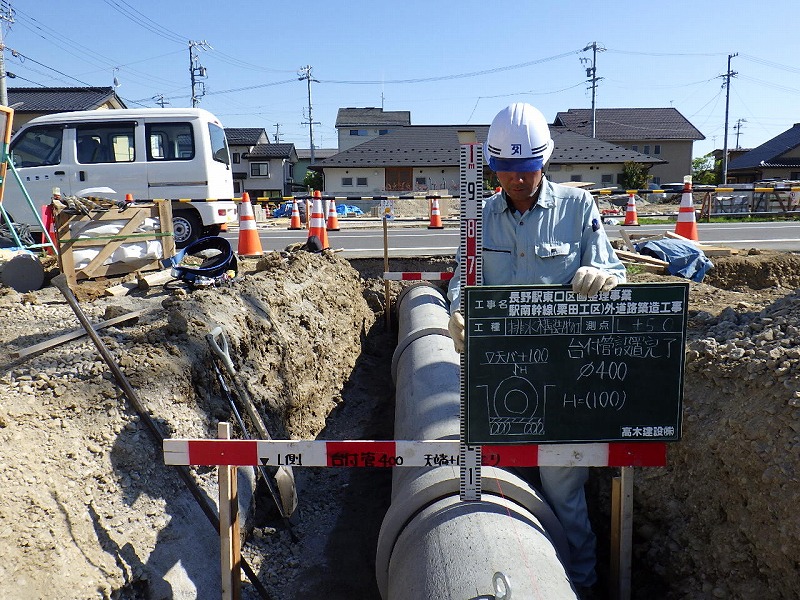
(187, 228)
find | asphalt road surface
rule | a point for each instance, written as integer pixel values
(365, 239)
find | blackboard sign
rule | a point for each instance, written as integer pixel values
(544, 364)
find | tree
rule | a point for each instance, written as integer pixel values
(706, 170)
(634, 176)
(313, 180)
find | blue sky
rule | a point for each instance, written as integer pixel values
(446, 62)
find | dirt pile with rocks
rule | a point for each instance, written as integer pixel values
(86, 503)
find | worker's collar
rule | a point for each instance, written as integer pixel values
(543, 197)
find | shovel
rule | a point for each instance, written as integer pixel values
(285, 495)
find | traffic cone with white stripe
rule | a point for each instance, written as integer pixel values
(631, 217)
(316, 224)
(294, 222)
(686, 225)
(436, 216)
(249, 242)
(333, 218)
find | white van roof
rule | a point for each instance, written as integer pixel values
(125, 114)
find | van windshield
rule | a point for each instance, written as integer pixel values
(219, 144)
(37, 147)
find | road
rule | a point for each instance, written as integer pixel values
(361, 239)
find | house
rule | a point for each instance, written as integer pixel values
(358, 125)
(303, 162)
(29, 103)
(421, 158)
(776, 158)
(260, 168)
(662, 133)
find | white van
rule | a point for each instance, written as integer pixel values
(151, 153)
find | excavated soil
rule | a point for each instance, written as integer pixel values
(87, 506)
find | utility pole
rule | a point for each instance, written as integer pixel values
(738, 128)
(727, 85)
(6, 14)
(197, 71)
(305, 73)
(277, 133)
(160, 100)
(591, 73)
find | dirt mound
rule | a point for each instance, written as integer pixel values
(86, 505)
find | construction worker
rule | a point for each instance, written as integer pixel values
(539, 232)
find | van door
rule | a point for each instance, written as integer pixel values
(105, 155)
(37, 154)
(175, 167)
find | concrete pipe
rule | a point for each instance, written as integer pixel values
(432, 545)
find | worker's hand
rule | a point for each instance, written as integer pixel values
(589, 281)
(456, 329)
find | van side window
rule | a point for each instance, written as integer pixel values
(37, 147)
(219, 144)
(99, 143)
(169, 141)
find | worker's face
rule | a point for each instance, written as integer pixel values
(520, 186)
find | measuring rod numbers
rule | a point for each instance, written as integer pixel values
(544, 364)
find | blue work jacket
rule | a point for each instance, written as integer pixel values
(546, 245)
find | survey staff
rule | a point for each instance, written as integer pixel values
(539, 232)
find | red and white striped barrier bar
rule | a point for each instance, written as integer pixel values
(417, 276)
(409, 453)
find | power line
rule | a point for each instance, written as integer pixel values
(457, 76)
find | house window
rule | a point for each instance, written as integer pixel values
(607, 179)
(647, 150)
(794, 175)
(347, 181)
(656, 180)
(635, 148)
(657, 149)
(259, 169)
(361, 132)
(421, 180)
(383, 131)
(236, 158)
(291, 171)
(362, 181)
(575, 178)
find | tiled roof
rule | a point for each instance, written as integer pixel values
(769, 153)
(319, 153)
(244, 136)
(437, 145)
(617, 124)
(52, 100)
(272, 151)
(371, 116)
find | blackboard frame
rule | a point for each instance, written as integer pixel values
(544, 365)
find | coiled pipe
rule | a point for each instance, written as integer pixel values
(432, 545)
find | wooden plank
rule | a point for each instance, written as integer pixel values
(627, 239)
(626, 532)
(640, 258)
(143, 283)
(230, 551)
(616, 494)
(74, 335)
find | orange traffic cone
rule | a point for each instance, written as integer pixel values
(686, 225)
(294, 222)
(630, 211)
(436, 217)
(249, 242)
(316, 224)
(333, 219)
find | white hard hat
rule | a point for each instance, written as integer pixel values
(518, 139)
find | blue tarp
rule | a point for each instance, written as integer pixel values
(685, 259)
